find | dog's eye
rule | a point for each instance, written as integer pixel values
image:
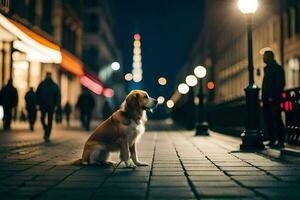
(145, 97)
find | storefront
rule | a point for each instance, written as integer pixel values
(25, 56)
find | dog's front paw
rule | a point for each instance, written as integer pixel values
(139, 163)
(130, 164)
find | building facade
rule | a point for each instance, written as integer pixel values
(38, 36)
(101, 50)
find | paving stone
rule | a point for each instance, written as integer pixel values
(235, 192)
(280, 193)
(214, 184)
(245, 173)
(166, 173)
(254, 178)
(161, 183)
(209, 178)
(170, 193)
(264, 184)
(205, 173)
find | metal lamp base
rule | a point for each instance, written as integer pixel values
(251, 140)
(202, 129)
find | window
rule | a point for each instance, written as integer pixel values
(293, 73)
(47, 16)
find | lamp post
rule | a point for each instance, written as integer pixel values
(201, 125)
(251, 137)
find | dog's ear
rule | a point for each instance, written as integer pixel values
(132, 101)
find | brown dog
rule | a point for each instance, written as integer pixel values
(120, 132)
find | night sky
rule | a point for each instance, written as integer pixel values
(168, 29)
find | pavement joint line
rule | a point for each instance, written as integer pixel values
(237, 182)
(51, 187)
(151, 171)
(186, 174)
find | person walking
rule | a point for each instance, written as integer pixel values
(9, 101)
(67, 112)
(48, 99)
(272, 87)
(85, 104)
(30, 100)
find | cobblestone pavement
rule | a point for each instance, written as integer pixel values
(181, 167)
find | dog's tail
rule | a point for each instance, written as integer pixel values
(73, 162)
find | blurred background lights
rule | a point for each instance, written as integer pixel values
(128, 77)
(107, 92)
(162, 81)
(191, 80)
(1, 113)
(183, 88)
(160, 100)
(115, 66)
(200, 71)
(137, 44)
(170, 104)
(137, 36)
(210, 85)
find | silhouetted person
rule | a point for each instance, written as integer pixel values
(67, 112)
(106, 110)
(9, 101)
(58, 115)
(272, 87)
(48, 98)
(30, 100)
(85, 104)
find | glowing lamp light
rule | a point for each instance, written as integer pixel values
(162, 81)
(107, 92)
(115, 66)
(128, 77)
(170, 104)
(191, 80)
(91, 85)
(200, 71)
(137, 51)
(247, 6)
(210, 85)
(183, 88)
(160, 100)
(137, 36)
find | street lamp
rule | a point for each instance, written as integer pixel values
(251, 137)
(202, 125)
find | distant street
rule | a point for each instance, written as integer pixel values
(181, 167)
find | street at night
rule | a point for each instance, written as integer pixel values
(182, 166)
(152, 100)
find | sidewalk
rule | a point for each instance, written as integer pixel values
(181, 167)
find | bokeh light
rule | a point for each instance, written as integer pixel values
(107, 92)
(137, 36)
(210, 85)
(170, 103)
(200, 71)
(160, 100)
(115, 66)
(128, 77)
(183, 88)
(162, 81)
(191, 80)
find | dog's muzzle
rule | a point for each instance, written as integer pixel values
(151, 105)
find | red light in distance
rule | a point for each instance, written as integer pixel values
(137, 36)
(91, 85)
(210, 85)
(108, 92)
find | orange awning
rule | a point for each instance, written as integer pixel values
(39, 47)
(71, 63)
(35, 36)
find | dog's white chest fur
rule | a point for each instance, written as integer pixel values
(135, 131)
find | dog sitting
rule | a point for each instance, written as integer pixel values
(120, 132)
